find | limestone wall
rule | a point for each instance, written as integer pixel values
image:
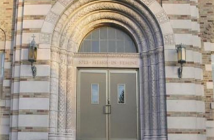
(206, 8)
(185, 97)
(25, 106)
(30, 97)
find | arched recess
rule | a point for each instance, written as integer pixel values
(63, 30)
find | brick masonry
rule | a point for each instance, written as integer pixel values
(206, 10)
(6, 23)
(206, 33)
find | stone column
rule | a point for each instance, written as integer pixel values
(54, 91)
(153, 91)
(154, 107)
(146, 106)
(71, 100)
(62, 94)
(162, 95)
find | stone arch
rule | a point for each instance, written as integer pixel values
(57, 14)
(63, 30)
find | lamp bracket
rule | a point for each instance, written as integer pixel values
(34, 70)
(180, 70)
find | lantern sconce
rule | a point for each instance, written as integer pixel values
(181, 53)
(212, 105)
(32, 56)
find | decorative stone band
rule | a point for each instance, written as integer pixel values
(186, 114)
(186, 131)
(185, 80)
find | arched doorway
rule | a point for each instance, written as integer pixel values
(107, 95)
(136, 19)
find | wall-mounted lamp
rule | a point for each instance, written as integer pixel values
(32, 55)
(2, 66)
(181, 52)
(212, 105)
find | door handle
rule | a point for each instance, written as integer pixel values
(107, 109)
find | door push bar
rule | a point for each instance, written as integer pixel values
(107, 109)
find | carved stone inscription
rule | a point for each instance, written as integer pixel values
(87, 62)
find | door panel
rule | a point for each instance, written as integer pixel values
(107, 105)
(91, 119)
(123, 119)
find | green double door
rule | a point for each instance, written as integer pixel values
(107, 106)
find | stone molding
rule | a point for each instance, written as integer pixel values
(153, 5)
(67, 27)
(106, 60)
(101, 55)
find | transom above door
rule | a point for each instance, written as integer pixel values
(107, 105)
(109, 47)
(108, 40)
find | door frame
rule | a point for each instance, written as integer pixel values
(108, 72)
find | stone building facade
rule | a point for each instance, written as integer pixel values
(44, 107)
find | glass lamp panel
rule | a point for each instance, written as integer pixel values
(35, 53)
(183, 51)
(32, 53)
(179, 54)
